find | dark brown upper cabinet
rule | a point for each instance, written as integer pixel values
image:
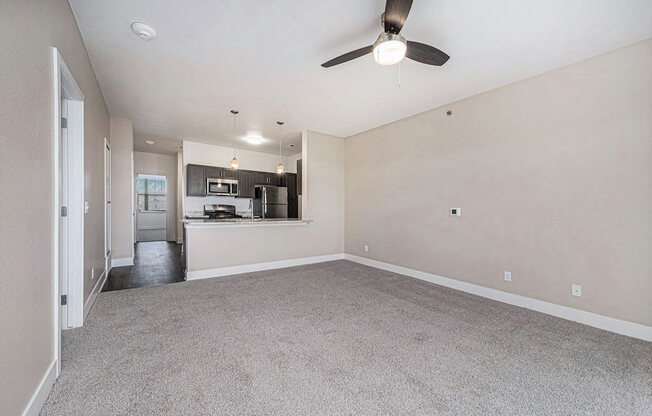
(230, 173)
(196, 176)
(213, 172)
(195, 180)
(246, 181)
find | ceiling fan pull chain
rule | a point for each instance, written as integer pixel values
(399, 75)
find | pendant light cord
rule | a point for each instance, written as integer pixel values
(279, 168)
(234, 142)
(280, 139)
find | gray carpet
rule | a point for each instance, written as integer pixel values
(339, 338)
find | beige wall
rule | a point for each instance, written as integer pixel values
(122, 150)
(212, 155)
(211, 248)
(165, 165)
(554, 177)
(290, 162)
(28, 30)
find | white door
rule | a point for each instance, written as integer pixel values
(63, 214)
(107, 205)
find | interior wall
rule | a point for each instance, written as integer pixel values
(27, 172)
(211, 248)
(553, 175)
(290, 163)
(164, 165)
(211, 155)
(122, 202)
(179, 197)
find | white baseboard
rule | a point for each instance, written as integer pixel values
(618, 326)
(88, 305)
(248, 268)
(124, 261)
(42, 391)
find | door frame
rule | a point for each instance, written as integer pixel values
(107, 205)
(65, 87)
(134, 195)
(133, 208)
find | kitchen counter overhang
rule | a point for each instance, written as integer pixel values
(242, 222)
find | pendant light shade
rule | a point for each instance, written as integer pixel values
(279, 168)
(234, 161)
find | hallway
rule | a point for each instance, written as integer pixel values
(155, 263)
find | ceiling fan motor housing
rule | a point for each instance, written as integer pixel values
(389, 48)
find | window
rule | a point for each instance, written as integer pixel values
(152, 191)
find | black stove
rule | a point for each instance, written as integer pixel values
(220, 212)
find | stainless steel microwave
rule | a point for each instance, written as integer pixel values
(222, 187)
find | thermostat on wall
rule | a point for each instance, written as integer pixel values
(456, 212)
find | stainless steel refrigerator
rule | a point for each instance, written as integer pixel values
(271, 201)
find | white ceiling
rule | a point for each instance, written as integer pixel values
(263, 58)
(161, 145)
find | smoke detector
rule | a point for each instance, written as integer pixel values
(143, 30)
(150, 142)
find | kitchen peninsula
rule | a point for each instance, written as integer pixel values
(229, 213)
(219, 247)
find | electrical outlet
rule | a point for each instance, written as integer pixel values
(576, 290)
(508, 276)
(366, 248)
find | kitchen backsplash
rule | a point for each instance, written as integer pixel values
(196, 204)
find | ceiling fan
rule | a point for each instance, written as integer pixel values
(390, 47)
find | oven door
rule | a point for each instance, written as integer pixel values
(217, 187)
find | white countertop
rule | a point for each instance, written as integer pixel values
(242, 222)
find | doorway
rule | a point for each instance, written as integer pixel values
(69, 208)
(151, 200)
(155, 263)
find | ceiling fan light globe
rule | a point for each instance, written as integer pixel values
(389, 49)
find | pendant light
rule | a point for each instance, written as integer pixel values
(234, 161)
(279, 168)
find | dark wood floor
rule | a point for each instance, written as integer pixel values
(155, 263)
